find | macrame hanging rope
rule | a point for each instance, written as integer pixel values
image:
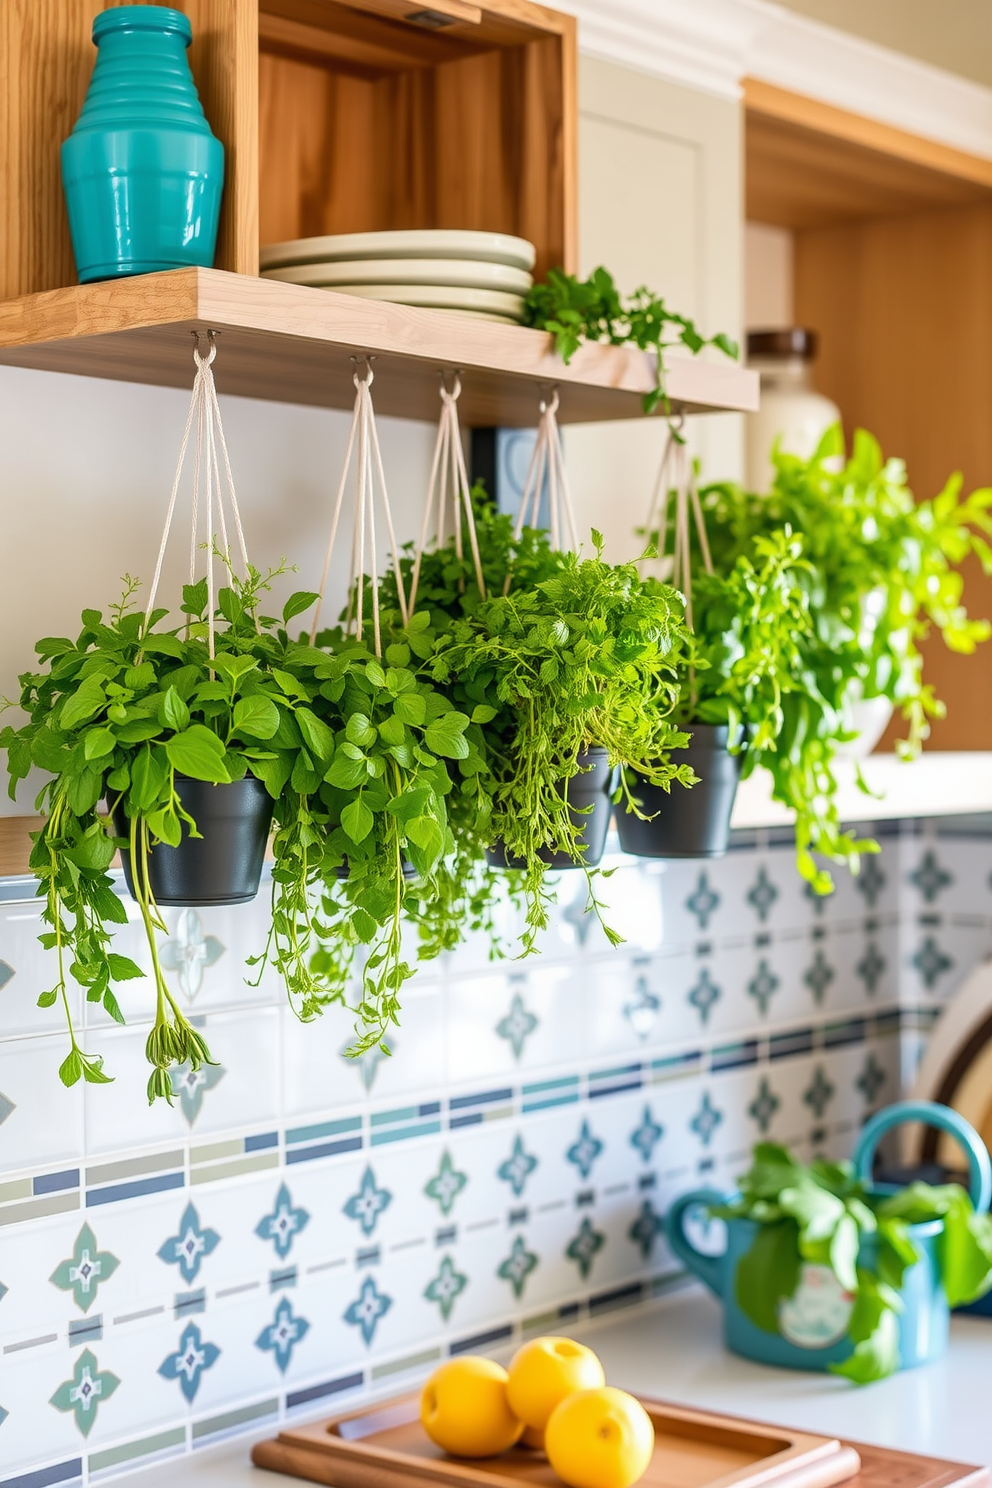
(448, 485)
(368, 473)
(547, 465)
(676, 485)
(211, 493)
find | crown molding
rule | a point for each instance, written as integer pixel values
(712, 45)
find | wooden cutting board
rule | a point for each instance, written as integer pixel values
(385, 1446)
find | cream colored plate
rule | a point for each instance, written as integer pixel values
(466, 273)
(437, 297)
(415, 243)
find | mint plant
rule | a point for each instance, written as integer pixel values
(593, 309)
(820, 1214)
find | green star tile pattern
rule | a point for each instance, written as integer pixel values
(190, 953)
(517, 1026)
(703, 902)
(517, 1266)
(819, 976)
(446, 1287)
(85, 1271)
(517, 1168)
(646, 1228)
(367, 1204)
(584, 1246)
(446, 1184)
(764, 1106)
(192, 1085)
(819, 1093)
(85, 1392)
(763, 985)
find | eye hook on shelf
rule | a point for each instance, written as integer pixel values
(364, 375)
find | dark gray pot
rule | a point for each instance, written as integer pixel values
(224, 864)
(692, 823)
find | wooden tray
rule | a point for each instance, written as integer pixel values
(385, 1446)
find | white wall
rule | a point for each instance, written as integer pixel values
(660, 192)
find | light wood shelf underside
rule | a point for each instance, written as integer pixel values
(294, 345)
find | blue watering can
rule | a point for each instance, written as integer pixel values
(813, 1323)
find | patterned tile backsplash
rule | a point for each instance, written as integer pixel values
(300, 1228)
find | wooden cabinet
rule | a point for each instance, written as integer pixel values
(893, 269)
(336, 116)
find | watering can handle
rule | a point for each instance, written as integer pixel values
(946, 1120)
(708, 1268)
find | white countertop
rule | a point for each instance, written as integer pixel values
(673, 1350)
(939, 783)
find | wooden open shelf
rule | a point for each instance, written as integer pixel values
(295, 345)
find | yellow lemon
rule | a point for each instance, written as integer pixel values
(544, 1371)
(464, 1408)
(599, 1439)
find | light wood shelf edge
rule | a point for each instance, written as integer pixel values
(293, 344)
(856, 129)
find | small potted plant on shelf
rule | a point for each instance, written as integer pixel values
(579, 310)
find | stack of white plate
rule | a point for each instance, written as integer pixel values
(471, 273)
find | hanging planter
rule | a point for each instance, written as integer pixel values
(686, 823)
(588, 795)
(681, 823)
(380, 829)
(191, 734)
(223, 864)
(570, 669)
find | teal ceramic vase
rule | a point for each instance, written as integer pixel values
(813, 1324)
(142, 172)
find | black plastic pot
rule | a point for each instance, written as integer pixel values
(224, 864)
(591, 787)
(692, 823)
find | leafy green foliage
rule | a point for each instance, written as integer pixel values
(593, 309)
(821, 1214)
(587, 656)
(377, 833)
(115, 714)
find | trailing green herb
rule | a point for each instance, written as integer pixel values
(578, 310)
(382, 825)
(821, 1215)
(586, 657)
(884, 570)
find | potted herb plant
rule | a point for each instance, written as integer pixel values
(826, 1270)
(583, 660)
(743, 660)
(141, 714)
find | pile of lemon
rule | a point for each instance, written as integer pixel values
(553, 1398)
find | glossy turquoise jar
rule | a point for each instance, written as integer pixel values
(142, 172)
